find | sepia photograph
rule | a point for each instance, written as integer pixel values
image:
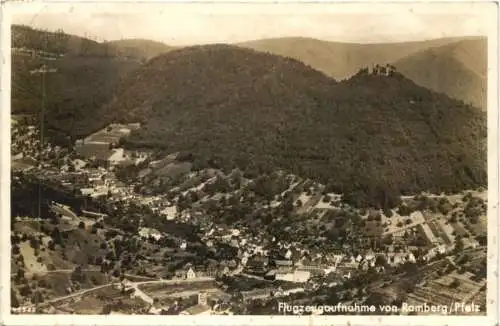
(314, 160)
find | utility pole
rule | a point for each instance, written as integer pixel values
(43, 70)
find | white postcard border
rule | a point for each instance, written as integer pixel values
(347, 7)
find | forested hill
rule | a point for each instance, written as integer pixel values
(367, 137)
(74, 93)
(138, 48)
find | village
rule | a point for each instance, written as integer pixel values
(216, 243)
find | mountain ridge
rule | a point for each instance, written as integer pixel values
(341, 60)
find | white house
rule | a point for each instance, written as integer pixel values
(190, 274)
(369, 256)
(148, 232)
(411, 258)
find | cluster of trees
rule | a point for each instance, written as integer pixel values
(25, 198)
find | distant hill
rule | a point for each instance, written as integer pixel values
(138, 48)
(73, 94)
(337, 59)
(342, 60)
(458, 69)
(58, 42)
(231, 106)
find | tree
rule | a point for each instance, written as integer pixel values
(56, 236)
(459, 244)
(455, 284)
(106, 310)
(37, 298)
(25, 291)
(16, 250)
(20, 274)
(14, 301)
(34, 243)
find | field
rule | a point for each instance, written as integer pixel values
(449, 288)
(99, 150)
(106, 300)
(30, 260)
(97, 144)
(111, 134)
(166, 293)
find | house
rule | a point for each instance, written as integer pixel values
(202, 298)
(411, 258)
(271, 275)
(284, 270)
(348, 266)
(395, 259)
(190, 274)
(370, 255)
(257, 294)
(292, 291)
(150, 233)
(234, 243)
(257, 265)
(283, 263)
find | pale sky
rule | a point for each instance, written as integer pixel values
(182, 24)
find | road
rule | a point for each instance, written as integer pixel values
(139, 293)
(179, 281)
(72, 295)
(65, 211)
